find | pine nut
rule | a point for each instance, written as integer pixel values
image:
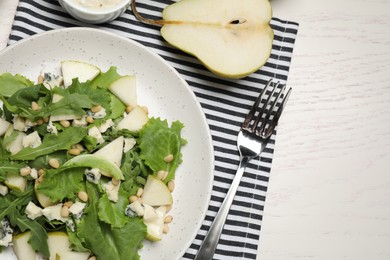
(145, 108)
(168, 158)
(96, 109)
(140, 191)
(34, 106)
(140, 200)
(168, 219)
(133, 198)
(89, 119)
(46, 119)
(74, 151)
(65, 123)
(115, 181)
(25, 171)
(68, 204)
(168, 208)
(40, 78)
(92, 258)
(171, 186)
(129, 109)
(54, 163)
(83, 196)
(41, 172)
(64, 211)
(79, 147)
(39, 122)
(165, 228)
(162, 174)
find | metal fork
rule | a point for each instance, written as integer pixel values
(253, 137)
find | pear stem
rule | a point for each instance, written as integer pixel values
(144, 19)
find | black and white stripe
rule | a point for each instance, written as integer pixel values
(225, 103)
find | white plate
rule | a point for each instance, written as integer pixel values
(161, 89)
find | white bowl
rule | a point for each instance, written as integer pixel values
(94, 15)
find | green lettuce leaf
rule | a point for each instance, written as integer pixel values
(157, 140)
(9, 167)
(104, 80)
(103, 240)
(62, 183)
(52, 143)
(9, 83)
(113, 213)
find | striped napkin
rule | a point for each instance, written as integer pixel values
(225, 103)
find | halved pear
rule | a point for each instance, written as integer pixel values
(156, 192)
(232, 38)
(77, 69)
(22, 248)
(125, 89)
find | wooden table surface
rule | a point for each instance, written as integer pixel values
(329, 192)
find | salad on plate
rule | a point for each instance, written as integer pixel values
(85, 172)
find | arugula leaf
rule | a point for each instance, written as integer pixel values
(132, 166)
(9, 167)
(103, 240)
(14, 201)
(38, 239)
(157, 140)
(75, 241)
(71, 180)
(9, 83)
(113, 213)
(52, 143)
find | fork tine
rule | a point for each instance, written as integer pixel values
(273, 123)
(254, 107)
(272, 104)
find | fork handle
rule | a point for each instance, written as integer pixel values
(207, 248)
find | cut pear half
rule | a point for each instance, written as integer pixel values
(232, 38)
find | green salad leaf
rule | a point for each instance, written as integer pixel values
(52, 143)
(9, 83)
(113, 213)
(105, 241)
(157, 140)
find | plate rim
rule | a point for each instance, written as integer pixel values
(142, 47)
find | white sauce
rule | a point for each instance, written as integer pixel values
(97, 4)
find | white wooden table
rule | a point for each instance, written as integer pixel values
(329, 192)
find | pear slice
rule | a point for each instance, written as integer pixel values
(22, 248)
(232, 38)
(125, 89)
(154, 221)
(44, 200)
(60, 248)
(77, 69)
(113, 151)
(134, 121)
(156, 192)
(16, 182)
